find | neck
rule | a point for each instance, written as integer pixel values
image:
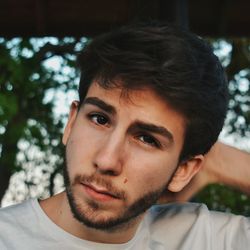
(58, 210)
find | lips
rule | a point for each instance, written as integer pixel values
(99, 192)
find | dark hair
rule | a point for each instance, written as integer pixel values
(179, 66)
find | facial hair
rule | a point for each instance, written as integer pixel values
(123, 220)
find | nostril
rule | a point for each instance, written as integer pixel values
(108, 172)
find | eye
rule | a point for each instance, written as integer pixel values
(98, 119)
(150, 140)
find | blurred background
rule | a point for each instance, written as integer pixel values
(39, 43)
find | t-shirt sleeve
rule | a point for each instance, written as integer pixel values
(232, 230)
(192, 226)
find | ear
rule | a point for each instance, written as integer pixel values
(71, 120)
(185, 172)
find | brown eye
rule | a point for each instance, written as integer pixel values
(150, 140)
(99, 119)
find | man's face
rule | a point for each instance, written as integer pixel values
(121, 152)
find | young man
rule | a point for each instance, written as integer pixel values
(152, 103)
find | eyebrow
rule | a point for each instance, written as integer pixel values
(149, 127)
(153, 129)
(100, 104)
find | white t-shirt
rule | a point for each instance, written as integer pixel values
(175, 227)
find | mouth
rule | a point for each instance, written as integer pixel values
(98, 193)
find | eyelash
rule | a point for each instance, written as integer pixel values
(92, 116)
(154, 143)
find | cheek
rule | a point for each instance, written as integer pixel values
(149, 173)
(79, 150)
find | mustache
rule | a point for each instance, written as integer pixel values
(95, 179)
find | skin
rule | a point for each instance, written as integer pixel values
(109, 151)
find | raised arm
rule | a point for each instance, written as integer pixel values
(228, 165)
(223, 164)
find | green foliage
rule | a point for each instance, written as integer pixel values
(26, 114)
(221, 198)
(237, 63)
(30, 128)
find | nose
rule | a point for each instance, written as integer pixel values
(110, 154)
